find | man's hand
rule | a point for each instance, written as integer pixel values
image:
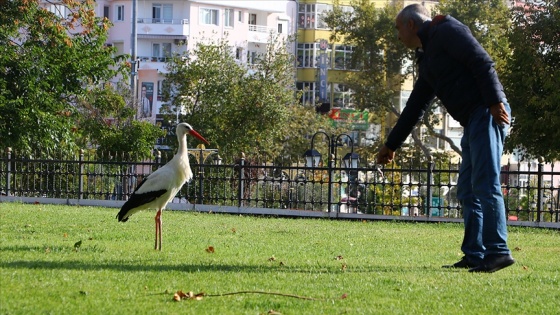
(500, 114)
(385, 155)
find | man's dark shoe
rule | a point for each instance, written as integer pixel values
(463, 263)
(493, 263)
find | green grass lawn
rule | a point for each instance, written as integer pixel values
(380, 267)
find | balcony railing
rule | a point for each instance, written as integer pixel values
(259, 33)
(154, 59)
(179, 28)
(260, 29)
(161, 21)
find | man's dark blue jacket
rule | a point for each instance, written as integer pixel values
(452, 66)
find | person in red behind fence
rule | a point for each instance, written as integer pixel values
(455, 68)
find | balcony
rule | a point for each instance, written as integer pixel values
(259, 33)
(154, 27)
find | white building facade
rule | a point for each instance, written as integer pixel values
(174, 26)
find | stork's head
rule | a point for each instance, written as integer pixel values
(184, 128)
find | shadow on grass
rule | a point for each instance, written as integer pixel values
(328, 267)
(195, 268)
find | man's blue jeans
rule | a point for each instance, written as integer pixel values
(479, 189)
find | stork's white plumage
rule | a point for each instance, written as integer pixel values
(156, 190)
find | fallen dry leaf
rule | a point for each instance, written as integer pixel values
(210, 249)
(344, 296)
(517, 249)
(273, 312)
(233, 230)
(65, 235)
(525, 268)
(180, 295)
(339, 257)
(199, 296)
(344, 266)
(272, 258)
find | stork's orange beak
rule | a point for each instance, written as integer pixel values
(197, 135)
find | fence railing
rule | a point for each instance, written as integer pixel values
(531, 190)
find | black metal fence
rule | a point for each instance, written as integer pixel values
(531, 190)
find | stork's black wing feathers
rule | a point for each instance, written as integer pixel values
(137, 200)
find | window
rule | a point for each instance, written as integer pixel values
(240, 16)
(120, 12)
(307, 55)
(252, 57)
(161, 51)
(279, 28)
(106, 12)
(322, 10)
(155, 51)
(342, 96)
(309, 92)
(59, 10)
(343, 57)
(238, 53)
(209, 16)
(228, 17)
(311, 15)
(252, 19)
(162, 13)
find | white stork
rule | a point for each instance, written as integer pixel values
(156, 190)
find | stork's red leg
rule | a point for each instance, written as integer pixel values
(160, 227)
(158, 230)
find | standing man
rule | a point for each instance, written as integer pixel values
(454, 67)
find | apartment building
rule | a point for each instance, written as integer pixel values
(160, 28)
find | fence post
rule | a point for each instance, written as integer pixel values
(331, 178)
(81, 175)
(429, 186)
(200, 177)
(9, 170)
(540, 189)
(241, 190)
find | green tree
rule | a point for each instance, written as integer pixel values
(106, 123)
(383, 61)
(239, 108)
(377, 53)
(47, 62)
(532, 80)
